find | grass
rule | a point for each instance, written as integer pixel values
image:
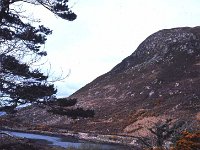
(85, 147)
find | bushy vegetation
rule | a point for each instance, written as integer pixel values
(62, 102)
(73, 113)
(176, 134)
(60, 107)
(188, 141)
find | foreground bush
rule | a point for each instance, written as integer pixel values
(189, 141)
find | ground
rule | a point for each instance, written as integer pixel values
(13, 143)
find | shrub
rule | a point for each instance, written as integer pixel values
(188, 141)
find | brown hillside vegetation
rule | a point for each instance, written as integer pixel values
(160, 80)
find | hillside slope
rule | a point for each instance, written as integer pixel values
(159, 80)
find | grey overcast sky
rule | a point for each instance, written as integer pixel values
(105, 32)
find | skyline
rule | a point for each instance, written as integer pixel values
(106, 32)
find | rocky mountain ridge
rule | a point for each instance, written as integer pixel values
(157, 81)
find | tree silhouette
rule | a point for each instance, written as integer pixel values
(20, 47)
(60, 107)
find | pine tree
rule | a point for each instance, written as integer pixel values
(20, 46)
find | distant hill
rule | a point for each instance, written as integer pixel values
(159, 80)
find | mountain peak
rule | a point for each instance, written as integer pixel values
(158, 46)
(160, 79)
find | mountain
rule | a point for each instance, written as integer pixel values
(158, 81)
